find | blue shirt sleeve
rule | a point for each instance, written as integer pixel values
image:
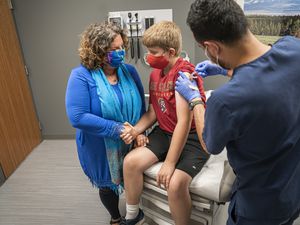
(219, 125)
(139, 84)
(78, 109)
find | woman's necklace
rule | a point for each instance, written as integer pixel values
(112, 78)
(111, 75)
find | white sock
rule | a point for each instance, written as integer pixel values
(132, 211)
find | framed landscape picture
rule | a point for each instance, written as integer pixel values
(271, 19)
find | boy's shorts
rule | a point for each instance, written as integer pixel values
(192, 158)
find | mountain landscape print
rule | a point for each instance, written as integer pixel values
(271, 19)
(272, 7)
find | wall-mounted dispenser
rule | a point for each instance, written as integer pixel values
(115, 17)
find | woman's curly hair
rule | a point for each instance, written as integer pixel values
(95, 42)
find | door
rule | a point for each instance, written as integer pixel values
(19, 127)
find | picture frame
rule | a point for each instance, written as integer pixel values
(269, 20)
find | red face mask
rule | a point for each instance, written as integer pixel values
(157, 62)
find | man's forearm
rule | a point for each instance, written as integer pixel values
(199, 122)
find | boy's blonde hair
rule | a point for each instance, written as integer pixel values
(165, 35)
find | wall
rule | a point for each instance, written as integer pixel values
(19, 127)
(49, 34)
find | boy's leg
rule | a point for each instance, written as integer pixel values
(135, 163)
(179, 197)
(191, 161)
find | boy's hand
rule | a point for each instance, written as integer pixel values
(165, 173)
(141, 140)
(129, 133)
(187, 88)
(206, 68)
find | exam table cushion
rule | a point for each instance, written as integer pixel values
(213, 182)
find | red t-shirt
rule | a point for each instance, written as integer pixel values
(162, 94)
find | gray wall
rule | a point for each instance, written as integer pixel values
(49, 34)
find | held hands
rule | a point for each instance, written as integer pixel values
(165, 173)
(186, 87)
(206, 68)
(128, 133)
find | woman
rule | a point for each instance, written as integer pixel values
(102, 94)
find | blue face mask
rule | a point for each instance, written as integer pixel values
(116, 58)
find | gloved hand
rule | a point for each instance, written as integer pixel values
(186, 87)
(207, 68)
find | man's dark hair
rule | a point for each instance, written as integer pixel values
(219, 20)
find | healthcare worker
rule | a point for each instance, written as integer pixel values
(256, 115)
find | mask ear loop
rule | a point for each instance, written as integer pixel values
(217, 57)
(205, 52)
(218, 60)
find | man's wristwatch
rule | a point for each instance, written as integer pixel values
(193, 103)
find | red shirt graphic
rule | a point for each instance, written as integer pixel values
(162, 94)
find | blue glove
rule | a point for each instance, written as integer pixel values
(186, 87)
(206, 68)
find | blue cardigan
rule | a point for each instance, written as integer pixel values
(85, 114)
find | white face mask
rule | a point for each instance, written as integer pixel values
(217, 58)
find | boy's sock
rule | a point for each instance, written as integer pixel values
(132, 211)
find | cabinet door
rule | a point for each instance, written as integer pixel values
(19, 128)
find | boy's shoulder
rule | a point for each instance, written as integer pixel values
(183, 66)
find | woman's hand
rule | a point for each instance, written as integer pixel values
(129, 133)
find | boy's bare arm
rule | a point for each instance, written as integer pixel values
(179, 137)
(147, 120)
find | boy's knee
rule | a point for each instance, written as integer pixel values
(178, 187)
(131, 161)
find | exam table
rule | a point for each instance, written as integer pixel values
(210, 192)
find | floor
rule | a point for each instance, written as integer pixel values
(49, 188)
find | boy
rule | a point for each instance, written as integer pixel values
(175, 140)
